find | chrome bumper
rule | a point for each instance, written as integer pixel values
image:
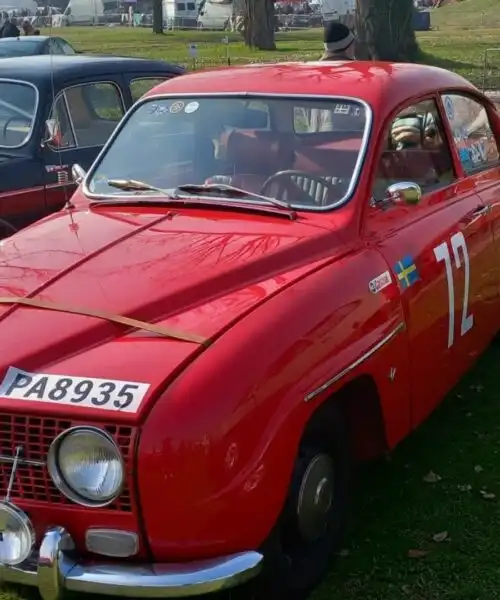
(54, 570)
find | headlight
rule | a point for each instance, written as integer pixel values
(86, 466)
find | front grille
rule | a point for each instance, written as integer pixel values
(35, 434)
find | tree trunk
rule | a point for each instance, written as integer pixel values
(259, 25)
(384, 29)
(157, 16)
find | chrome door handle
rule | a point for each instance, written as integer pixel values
(480, 211)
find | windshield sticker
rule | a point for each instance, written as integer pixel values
(176, 107)
(104, 394)
(158, 109)
(192, 107)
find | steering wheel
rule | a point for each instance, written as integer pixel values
(285, 182)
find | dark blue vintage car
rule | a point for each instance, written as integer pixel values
(56, 111)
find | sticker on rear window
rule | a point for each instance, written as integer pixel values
(67, 390)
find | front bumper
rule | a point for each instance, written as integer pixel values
(54, 570)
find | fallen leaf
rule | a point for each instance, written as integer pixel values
(344, 552)
(464, 488)
(487, 495)
(476, 388)
(417, 553)
(406, 589)
(478, 468)
(432, 477)
(440, 537)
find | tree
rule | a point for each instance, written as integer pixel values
(259, 24)
(384, 29)
(157, 16)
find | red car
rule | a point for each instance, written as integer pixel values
(269, 273)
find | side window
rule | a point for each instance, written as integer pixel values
(472, 132)
(87, 114)
(65, 47)
(53, 47)
(415, 149)
(58, 128)
(138, 87)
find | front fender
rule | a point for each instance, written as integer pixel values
(217, 450)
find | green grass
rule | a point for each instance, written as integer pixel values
(397, 512)
(456, 47)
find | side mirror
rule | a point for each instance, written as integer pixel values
(78, 173)
(404, 192)
(52, 129)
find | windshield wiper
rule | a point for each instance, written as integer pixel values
(215, 189)
(229, 191)
(132, 185)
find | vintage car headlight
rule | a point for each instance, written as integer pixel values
(86, 466)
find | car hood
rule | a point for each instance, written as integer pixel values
(193, 272)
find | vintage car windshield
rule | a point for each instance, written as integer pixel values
(313, 144)
(18, 103)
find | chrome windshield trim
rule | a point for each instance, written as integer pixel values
(306, 208)
(33, 116)
(324, 386)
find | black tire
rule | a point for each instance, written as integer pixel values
(294, 565)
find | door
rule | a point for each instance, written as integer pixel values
(80, 122)
(478, 149)
(440, 252)
(22, 194)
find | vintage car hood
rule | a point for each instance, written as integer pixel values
(196, 272)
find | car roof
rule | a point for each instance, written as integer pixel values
(41, 69)
(380, 84)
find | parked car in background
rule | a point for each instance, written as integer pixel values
(31, 45)
(268, 274)
(55, 111)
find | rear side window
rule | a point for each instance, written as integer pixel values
(86, 115)
(472, 132)
(138, 87)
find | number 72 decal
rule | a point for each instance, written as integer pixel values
(442, 253)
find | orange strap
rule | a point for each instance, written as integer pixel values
(128, 322)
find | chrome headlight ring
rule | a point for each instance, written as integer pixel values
(95, 454)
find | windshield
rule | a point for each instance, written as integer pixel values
(18, 102)
(304, 152)
(16, 47)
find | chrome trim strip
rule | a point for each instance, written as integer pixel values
(35, 110)
(21, 461)
(354, 177)
(55, 569)
(355, 364)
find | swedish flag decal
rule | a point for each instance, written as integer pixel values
(406, 272)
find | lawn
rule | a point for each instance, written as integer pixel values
(426, 521)
(460, 36)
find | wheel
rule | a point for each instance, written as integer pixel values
(300, 550)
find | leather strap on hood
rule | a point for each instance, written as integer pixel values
(126, 321)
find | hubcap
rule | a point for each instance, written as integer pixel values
(315, 497)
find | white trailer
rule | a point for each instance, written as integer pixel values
(338, 10)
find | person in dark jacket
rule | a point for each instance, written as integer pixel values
(9, 28)
(339, 42)
(28, 28)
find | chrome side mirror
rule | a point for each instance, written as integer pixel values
(404, 192)
(78, 173)
(51, 129)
